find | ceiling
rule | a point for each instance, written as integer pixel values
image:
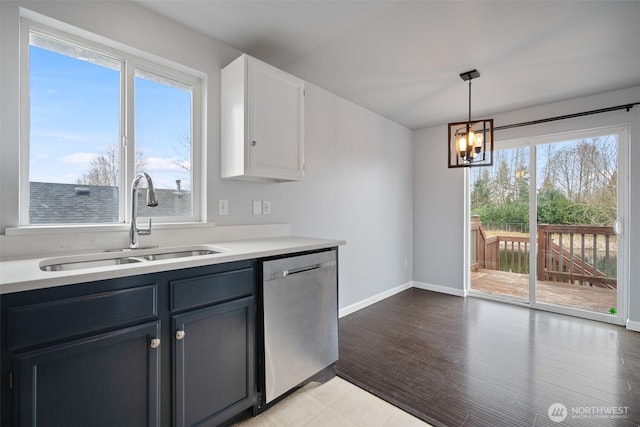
(402, 59)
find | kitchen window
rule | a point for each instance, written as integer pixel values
(92, 118)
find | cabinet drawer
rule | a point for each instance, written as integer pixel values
(50, 321)
(212, 288)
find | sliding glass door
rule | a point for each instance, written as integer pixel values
(499, 231)
(546, 224)
(577, 215)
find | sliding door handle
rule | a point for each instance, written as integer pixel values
(617, 226)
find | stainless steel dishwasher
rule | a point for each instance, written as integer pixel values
(300, 319)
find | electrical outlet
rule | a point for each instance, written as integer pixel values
(223, 207)
(266, 207)
(257, 207)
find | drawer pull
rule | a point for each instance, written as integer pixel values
(155, 343)
(179, 335)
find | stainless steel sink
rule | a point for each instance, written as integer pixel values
(79, 265)
(178, 254)
(126, 256)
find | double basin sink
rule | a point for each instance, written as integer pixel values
(125, 256)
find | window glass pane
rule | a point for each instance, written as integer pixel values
(577, 251)
(163, 143)
(74, 155)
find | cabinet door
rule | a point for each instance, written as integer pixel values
(214, 372)
(275, 122)
(108, 380)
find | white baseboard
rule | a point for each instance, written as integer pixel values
(390, 292)
(441, 289)
(373, 299)
(633, 326)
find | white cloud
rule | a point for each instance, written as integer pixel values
(82, 158)
(165, 170)
(161, 164)
(186, 164)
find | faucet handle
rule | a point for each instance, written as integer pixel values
(145, 231)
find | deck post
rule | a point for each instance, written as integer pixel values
(479, 240)
(542, 249)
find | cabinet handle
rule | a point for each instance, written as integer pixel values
(155, 343)
(179, 335)
(254, 143)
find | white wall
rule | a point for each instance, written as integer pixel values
(439, 191)
(358, 183)
(358, 186)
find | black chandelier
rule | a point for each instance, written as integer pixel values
(471, 142)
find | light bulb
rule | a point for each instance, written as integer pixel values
(462, 144)
(478, 141)
(472, 137)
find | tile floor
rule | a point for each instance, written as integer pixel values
(336, 403)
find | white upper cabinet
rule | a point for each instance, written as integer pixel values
(262, 122)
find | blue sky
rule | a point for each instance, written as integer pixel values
(75, 116)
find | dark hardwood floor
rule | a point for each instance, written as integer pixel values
(455, 361)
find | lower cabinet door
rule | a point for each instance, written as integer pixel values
(107, 380)
(214, 372)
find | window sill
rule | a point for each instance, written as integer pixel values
(95, 228)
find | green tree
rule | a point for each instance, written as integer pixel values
(553, 207)
(481, 194)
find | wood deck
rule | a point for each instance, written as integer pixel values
(516, 285)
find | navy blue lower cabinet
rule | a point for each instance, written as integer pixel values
(214, 363)
(173, 348)
(106, 380)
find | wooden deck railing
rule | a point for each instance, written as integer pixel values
(573, 253)
(566, 253)
(506, 253)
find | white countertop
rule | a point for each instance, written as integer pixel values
(25, 274)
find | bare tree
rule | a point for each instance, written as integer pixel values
(549, 173)
(501, 187)
(584, 169)
(105, 168)
(183, 151)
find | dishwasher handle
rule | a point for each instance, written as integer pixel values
(307, 268)
(318, 266)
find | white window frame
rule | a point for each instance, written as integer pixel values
(131, 60)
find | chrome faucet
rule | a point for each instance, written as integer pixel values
(152, 201)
